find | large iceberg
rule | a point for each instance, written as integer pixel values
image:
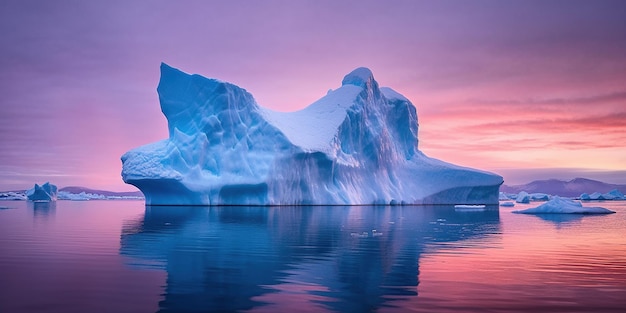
(44, 193)
(356, 145)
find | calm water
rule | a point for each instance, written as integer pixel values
(118, 256)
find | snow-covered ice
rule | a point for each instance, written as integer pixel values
(356, 145)
(564, 205)
(44, 193)
(507, 204)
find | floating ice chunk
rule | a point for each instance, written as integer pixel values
(564, 205)
(507, 204)
(503, 196)
(44, 193)
(469, 208)
(360, 235)
(537, 196)
(522, 197)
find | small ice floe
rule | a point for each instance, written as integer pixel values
(564, 206)
(507, 204)
(360, 235)
(376, 233)
(538, 196)
(5, 208)
(469, 207)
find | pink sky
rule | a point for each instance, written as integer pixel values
(528, 89)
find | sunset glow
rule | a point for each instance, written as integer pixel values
(527, 89)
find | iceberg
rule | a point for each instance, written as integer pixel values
(616, 194)
(356, 145)
(507, 204)
(611, 195)
(564, 205)
(538, 196)
(44, 193)
(522, 197)
(503, 196)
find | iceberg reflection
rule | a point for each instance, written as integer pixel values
(339, 258)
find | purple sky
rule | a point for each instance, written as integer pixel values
(528, 89)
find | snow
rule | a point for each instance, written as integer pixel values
(564, 206)
(522, 197)
(314, 127)
(44, 193)
(356, 145)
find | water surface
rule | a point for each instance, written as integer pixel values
(119, 256)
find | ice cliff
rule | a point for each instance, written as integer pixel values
(356, 145)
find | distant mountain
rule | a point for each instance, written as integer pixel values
(572, 188)
(77, 190)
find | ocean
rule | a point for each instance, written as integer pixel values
(120, 256)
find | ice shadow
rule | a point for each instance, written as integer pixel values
(329, 258)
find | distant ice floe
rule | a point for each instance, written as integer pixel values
(85, 196)
(611, 195)
(12, 195)
(507, 204)
(61, 195)
(559, 205)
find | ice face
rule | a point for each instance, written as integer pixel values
(46, 192)
(356, 145)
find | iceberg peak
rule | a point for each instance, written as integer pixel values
(361, 77)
